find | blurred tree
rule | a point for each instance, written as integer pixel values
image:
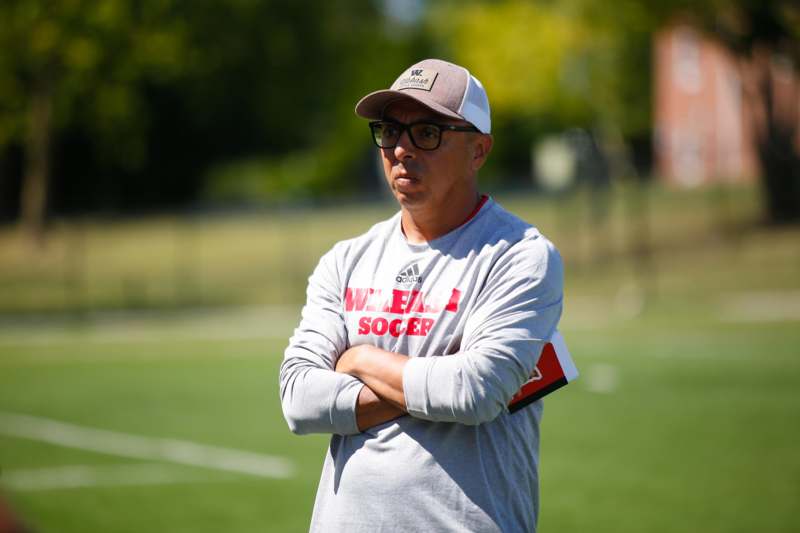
(580, 62)
(764, 37)
(58, 56)
(521, 49)
(296, 69)
(136, 104)
(549, 66)
(517, 49)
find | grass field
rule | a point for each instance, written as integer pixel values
(685, 417)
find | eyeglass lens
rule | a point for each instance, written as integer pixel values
(424, 136)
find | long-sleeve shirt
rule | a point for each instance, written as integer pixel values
(473, 310)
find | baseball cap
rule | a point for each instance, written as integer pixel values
(443, 87)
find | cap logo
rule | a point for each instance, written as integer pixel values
(417, 78)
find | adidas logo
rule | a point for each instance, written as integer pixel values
(409, 275)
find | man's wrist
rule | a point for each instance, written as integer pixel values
(371, 410)
(349, 361)
(380, 370)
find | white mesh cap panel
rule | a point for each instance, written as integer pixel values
(475, 105)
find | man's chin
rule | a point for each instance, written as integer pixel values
(409, 199)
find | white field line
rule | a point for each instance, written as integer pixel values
(82, 476)
(148, 448)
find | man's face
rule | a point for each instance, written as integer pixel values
(429, 179)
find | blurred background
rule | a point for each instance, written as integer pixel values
(171, 171)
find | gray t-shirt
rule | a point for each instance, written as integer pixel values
(473, 310)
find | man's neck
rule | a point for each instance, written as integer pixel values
(421, 226)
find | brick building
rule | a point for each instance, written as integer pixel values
(707, 111)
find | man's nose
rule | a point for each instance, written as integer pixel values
(404, 148)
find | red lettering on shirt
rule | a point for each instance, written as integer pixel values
(354, 299)
(380, 325)
(415, 302)
(394, 327)
(414, 327)
(427, 323)
(399, 301)
(452, 305)
(373, 302)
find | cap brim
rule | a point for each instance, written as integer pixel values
(372, 106)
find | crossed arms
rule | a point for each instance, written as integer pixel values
(328, 386)
(381, 398)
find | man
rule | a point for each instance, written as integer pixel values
(417, 334)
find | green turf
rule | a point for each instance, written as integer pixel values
(226, 395)
(700, 433)
(699, 436)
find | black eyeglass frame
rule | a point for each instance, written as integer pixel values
(407, 127)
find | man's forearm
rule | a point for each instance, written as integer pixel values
(372, 410)
(378, 369)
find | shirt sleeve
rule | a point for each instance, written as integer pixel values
(516, 314)
(314, 397)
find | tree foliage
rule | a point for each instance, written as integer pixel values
(549, 66)
(134, 103)
(68, 60)
(523, 51)
(128, 104)
(552, 65)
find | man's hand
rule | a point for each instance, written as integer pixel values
(371, 410)
(382, 398)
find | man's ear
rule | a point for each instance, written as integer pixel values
(480, 150)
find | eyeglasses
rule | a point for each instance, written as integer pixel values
(423, 135)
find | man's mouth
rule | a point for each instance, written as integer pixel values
(406, 183)
(403, 173)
